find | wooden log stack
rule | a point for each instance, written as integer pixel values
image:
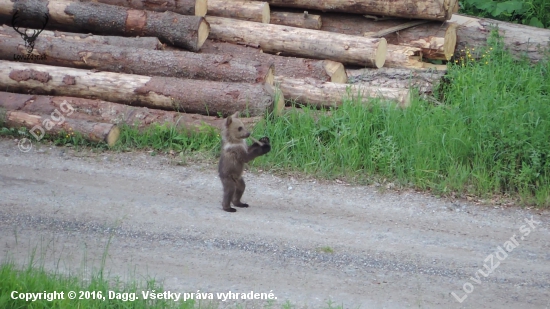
(191, 62)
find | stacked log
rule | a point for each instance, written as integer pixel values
(521, 40)
(326, 94)
(127, 42)
(370, 52)
(436, 40)
(324, 70)
(184, 7)
(185, 95)
(300, 20)
(440, 10)
(65, 52)
(100, 111)
(240, 9)
(188, 32)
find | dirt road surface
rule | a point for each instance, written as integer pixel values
(306, 242)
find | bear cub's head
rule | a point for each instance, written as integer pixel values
(233, 130)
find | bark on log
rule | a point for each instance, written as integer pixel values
(40, 125)
(151, 43)
(184, 7)
(188, 32)
(185, 95)
(370, 52)
(422, 9)
(426, 81)
(240, 9)
(113, 113)
(62, 52)
(437, 40)
(327, 94)
(521, 40)
(324, 70)
(300, 20)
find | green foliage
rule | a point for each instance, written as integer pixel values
(164, 137)
(532, 12)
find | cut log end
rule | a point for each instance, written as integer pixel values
(381, 51)
(201, 7)
(204, 31)
(449, 44)
(266, 13)
(113, 136)
(336, 71)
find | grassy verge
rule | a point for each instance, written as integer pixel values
(487, 137)
(35, 279)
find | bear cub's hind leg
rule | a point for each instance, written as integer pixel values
(229, 188)
(239, 190)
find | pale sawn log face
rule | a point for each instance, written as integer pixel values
(185, 95)
(422, 9)
(370, 52)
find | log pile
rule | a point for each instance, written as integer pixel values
(191, 62)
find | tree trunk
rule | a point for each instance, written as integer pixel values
(185, 95)
(151, 43)
(39, 125)
(326, 94)
(521, 40)
(370, 52)
(426, 81)
(188, 32)
(436, 40)
(184, 7)
(62, 52)
(324, 70)
(421, 9)
(300, 20)
(240, 9)
(109, 112)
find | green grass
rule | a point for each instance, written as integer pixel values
(489, 136)
(36, 279)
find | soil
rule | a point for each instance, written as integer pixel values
(304, 240)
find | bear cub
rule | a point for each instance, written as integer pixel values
(235, 153)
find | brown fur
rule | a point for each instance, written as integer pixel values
(235, 153)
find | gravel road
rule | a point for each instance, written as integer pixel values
(305, 241)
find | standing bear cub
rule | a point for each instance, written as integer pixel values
(235, 153)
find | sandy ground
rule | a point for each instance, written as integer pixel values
(305, 241)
